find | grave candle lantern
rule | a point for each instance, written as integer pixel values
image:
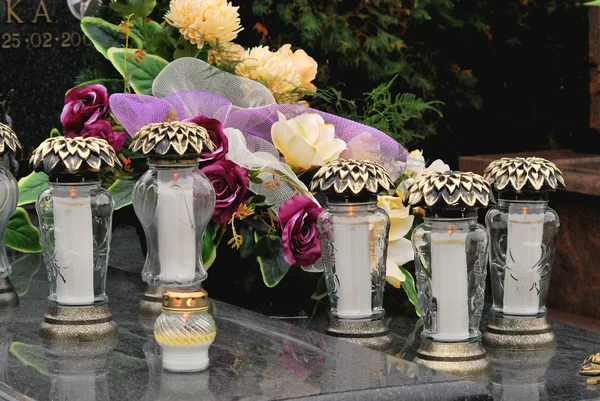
(354, 235)
(9, 195)
(75, 215)
(523, 233)
(450, 265)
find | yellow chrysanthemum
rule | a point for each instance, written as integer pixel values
(283, 72)
(205, 21)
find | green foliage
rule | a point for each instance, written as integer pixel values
(31, 186)
(269, 252)
(121, 191)
(136, 8)
(21, 234)
(105, 35)
(23, 271)
(139, 70)
(380, 109)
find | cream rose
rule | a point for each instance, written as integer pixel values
(305, 65)
(306, 141)
(400, 249)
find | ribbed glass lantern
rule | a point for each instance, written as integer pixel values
(354, 234)
(451, 250)
(174, 201)
(523, 231)
(9, 196)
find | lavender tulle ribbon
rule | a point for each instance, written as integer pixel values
(364, 142)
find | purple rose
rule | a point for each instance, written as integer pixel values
(83, 105)
(300, 238)
(215, 131)
(103, 130)
(231, 183)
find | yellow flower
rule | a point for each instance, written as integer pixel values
(306, 141)
(283, 72)
(205, 21)
(400, 249)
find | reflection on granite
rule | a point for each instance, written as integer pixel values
(253, 358)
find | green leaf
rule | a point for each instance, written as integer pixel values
(121, 192)
(139, 8)
(592, 3)
(31, 355)
(320, 290)
(21, 234)
(248, 243)
(54, 132)
(31, 186)
(409, 288)
(23, 271)
(105, 35)
(183, 48)
(209, 248)
(272, 264)
(141, 73)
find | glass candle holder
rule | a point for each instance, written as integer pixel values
(354, 234)
(9, 193)
(450, 262)
(75, 215)
(75, 224)
(451, 250)
(174, 202)
(523, 230)
(185, 330)
(354, 245)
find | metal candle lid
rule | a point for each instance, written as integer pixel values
(345, 178)
(181, 301)
(8, 140)
(449, 190)
(172, 141)
(519, 174)
(74, 156)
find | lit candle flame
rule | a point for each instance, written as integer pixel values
(524, 210)
(175, 176)
(73, 193)
(190, 302)
(450, 229)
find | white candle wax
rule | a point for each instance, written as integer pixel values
(73, 246)
(176, 226)
(523, 252)
(352, 255)
(77, 386)
(449, 286)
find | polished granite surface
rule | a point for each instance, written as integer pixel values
(254, 357)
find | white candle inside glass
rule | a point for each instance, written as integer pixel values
(176, 226)
(523, 253)
(352, 255)
(73, 245)
(450, 285)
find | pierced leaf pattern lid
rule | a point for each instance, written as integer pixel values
(349, 177)
(8, 140)
(74, 156)
(449, 190)
(520, 174)
(172, 139)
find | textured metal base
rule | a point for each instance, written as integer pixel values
(74, 323)
(459, 359)
(527, 334)
(151, 303)
(8, 296)
(373, 334)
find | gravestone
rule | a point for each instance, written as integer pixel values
(42, 49)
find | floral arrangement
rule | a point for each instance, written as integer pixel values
(252, 102)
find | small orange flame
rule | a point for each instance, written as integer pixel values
(450, 229)
(190, 302)
(73, 193)
(524, 210)
(175, 176)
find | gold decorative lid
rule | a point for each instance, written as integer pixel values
(449, 190)
(349, 177)
(8, 140)
(172, 140)
(520, 174)
(77, 155)
(182, 301)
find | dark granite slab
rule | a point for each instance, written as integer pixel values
(254, 357)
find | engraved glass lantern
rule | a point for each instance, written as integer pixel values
(174, 202)
(9, 194)
(185, 330)
(354, 233)
(75, 215)
(451, 250)
(523, 230)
